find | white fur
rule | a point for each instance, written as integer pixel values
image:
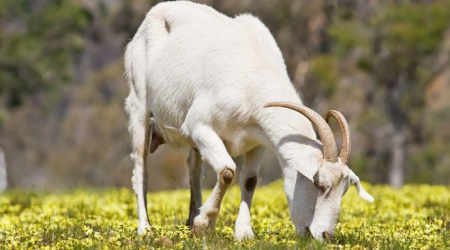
(205, 78)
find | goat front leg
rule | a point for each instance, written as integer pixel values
(248, 179)
(195, 180)
(214, 152)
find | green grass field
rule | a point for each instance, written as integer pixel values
(415, 217)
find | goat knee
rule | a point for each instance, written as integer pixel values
(227, 176)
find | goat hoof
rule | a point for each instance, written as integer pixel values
(200, 226)
(243, 233)
(190, 223)
(142, 229)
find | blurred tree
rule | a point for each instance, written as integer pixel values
(40, 43)
(398, 48)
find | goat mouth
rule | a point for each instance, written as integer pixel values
(327, 236)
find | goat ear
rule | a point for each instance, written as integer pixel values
(354, 179)
(308, 168)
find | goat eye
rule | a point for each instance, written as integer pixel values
(320, 186)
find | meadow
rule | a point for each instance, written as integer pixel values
(414, 217)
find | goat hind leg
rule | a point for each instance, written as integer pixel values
(140, 136)
(195, 180)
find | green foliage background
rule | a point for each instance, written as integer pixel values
(36, 55)
(384, 64)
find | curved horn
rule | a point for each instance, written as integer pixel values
(345, 132)
(325, 133)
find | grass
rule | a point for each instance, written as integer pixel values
(415, 217)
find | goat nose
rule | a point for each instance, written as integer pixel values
(326, 235)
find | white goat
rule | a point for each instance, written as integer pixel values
(198, 78)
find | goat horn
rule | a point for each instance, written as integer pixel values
(325, 133)
(345, 132)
